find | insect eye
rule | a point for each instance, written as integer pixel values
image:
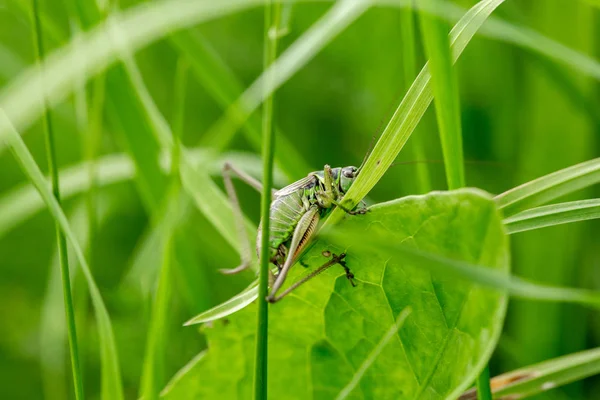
(349, 172)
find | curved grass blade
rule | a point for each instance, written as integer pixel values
(555, 214)
(549, 187)
(111, 377)
(409, 112)
(547, 375)
(232, 305)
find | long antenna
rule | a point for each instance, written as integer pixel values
(371, 145)
(472, 162)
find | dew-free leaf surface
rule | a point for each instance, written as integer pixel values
(323, 333)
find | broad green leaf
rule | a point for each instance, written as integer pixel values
(555, 214)
(326, 330)
(547, 375)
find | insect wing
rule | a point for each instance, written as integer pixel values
(301, 184)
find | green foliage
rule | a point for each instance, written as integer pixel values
(111, 376)
(331, 328)
(526, 78)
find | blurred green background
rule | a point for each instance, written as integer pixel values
(523, 116)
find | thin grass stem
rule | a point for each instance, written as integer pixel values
(484, 391)
(409, 58)
(445, 90)
(60, 237)
(272, 17)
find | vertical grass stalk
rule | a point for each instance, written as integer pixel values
(60, 237)
(409, 60)
(484, 391)
(447, 110)
(272, 17)
(445, 90)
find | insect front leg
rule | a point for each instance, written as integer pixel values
(361, 211)
(246, 245)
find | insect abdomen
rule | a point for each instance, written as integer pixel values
(285, 212)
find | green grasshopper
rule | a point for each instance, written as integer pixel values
(295, 212)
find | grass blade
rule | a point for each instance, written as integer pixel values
(547, 375)
(60, 237)
(555, 214)
(409, 59)
(484, 391)
(52, 331)
(445, 89)
(232, 305)
(409, 112)
(111, 377)
(549, 187)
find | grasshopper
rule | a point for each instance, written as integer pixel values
(295, 212)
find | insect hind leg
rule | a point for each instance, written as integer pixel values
(335, 259)
(245, 251)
